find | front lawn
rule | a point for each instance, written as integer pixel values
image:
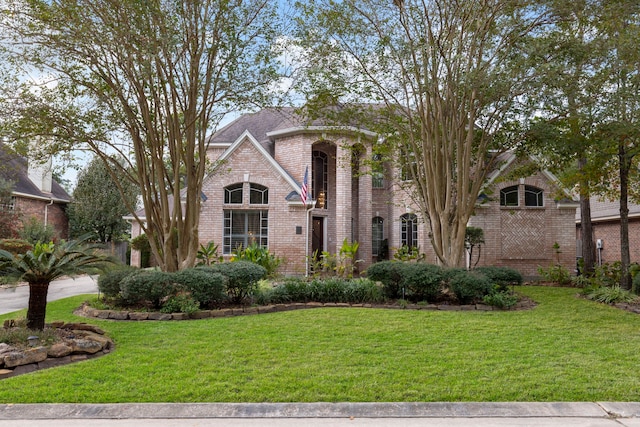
(566, 349)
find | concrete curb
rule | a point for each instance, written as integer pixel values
(600, 410)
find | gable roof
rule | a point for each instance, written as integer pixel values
(246, 136)
(14, 168)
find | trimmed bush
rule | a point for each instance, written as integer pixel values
(469, 287)
(327, 290)
(205, 286)
(389, 273)
(147, 287)
(359, 291)
(502, 276)
(109, 282)
(15, 246)
(181, 303)
(501, 299)
(243, 278)
(636, 284)
(423, 282)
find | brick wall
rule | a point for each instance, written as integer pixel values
(55, 214)
(609, 232)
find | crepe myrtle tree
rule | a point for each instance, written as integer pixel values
(47, 262)
(144, 81)
(443, 76)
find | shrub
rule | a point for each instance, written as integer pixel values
(205, 286)
(296, 289)
(611, 295)
(361, 291)
(423, 282)
(242, 278)
(15, 246)
(109, 282)
(501, 276)
(389, 273)
(555, 274)
(501, 299)
(180, 303)
(635, 286)
(327, 290)
(258, 255)
(470, 286)
(34, 231)
(147, 287)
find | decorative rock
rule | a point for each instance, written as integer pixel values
(6, 348)
(251, 310)
(154, 315)
(202, 314)
(32, 355)
(138, 315)
(266, 309)
(467, 307)
(5, 373)
(179, 316)
(79, 357)
(484, 307)
(25, 369)
(119, 315)
(85, 346)
(92, 336)
(330, 304)
(59, 350)
(84, 327)
(446, 307)
(343, 304)
(314, 304)
(53, 362)
(102, 314)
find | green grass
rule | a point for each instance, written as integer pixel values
(566, 349)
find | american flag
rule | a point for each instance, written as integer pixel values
(305, 186)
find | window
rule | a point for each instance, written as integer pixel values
(244, 228)
(258, 194)
(509, 196)
(377, 236)
(533, 196)
(233, 194)
(8, 204)
(409, 230)
(377, 179)
(319, 174)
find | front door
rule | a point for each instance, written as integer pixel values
(317, 239)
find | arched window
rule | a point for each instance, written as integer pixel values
(409, 230)
(533, 196)
(258, 194)
(509, 196)
(377, 235)
(233, 194)
(319, 176)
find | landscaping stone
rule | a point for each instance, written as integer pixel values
(59, 350)
(202, 314)
(53, 362)
(154, 315)
(251, 310)
(267, 309)
(484, 307)
(25, 369)
(5, 348)
(5, 373)
(138, 315)
(83, 327)
(179, 316)
(85, 346)
(446, 307)
(119, 315)
(102, 314)
(32, 355)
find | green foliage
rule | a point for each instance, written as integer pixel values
(330, 290)
(205, 286)
(208, 254)
(474, 237)
(258, 255)
(422, 282)
(99, 202)
(9, 217)
(501, 299)
(501, 276)
(555, 274)
(610, 295)
(389, 273)
(361, 291)
(148, 288)
(33, 231)
(635, 285)
(109, 281)
(470, 287)
(141, 243)
(346, 261)
(242, 278)
(406, 253)
(17, 336)
(15, 246)
(180, 303)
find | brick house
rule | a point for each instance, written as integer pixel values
(35, 193)
(605, 217)
(253, 195)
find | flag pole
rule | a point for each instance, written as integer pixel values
(306, 245)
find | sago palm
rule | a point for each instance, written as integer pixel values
(45, 263)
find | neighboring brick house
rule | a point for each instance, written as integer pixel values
(605, 216)
(254, 196)
(35, 193)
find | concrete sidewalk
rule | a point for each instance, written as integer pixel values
(556, 414)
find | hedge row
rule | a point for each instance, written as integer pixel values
(185, 290)
(332, 290)
(425, 282)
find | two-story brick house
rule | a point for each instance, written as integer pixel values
(35, 193)
(253, 195)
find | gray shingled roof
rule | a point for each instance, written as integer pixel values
(14, 168)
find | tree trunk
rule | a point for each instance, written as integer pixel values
(625, 255)
(37, 305)
(586, 232)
